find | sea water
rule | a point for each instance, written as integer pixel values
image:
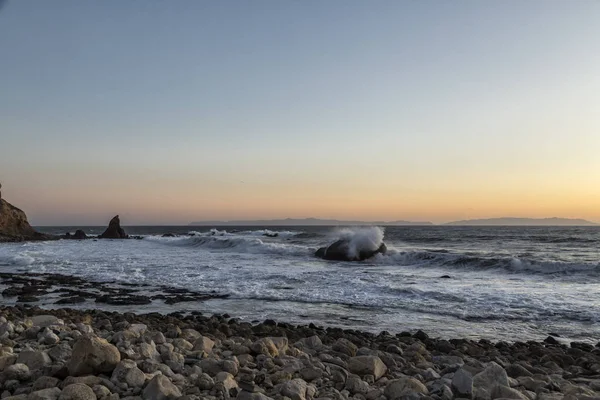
(501, 283)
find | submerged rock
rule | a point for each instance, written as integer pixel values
(114, 230)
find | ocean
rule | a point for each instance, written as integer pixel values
(499, 283)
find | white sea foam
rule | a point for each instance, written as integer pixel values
(19, 259)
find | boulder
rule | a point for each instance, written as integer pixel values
(128, 372)
(19, 372)
(341, 251)
(505, 392)
(161, 388)
(367, 365)
(204, 344)
(296, 389)
(79, 235)
(462, 382)
(114, 230)
(43, 321)
(45, 394)
(14, 226)
(34, 359)
(492, 375)
(404, 386)
(77, 391)
(92, 355)
(344, 346)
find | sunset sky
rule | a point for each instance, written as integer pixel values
(169, 112)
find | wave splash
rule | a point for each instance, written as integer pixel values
(360, 240)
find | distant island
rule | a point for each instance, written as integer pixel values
(305, 222)
(507, 221)
(510, 221)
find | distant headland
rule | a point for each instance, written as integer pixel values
(506, 221)
(305, 222)
(511, 221)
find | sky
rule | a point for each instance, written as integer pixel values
(168, 112)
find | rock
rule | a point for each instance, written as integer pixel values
(43, 321)
(101, 391)
(265, 346)
(93, 355)
(128, 372)
(7, 360)
(204, 344)
(77, 391)
(61, 352)
(516, 370)
(356, 385)
(422, 336)
(227, 380)
(492, 375)
(70, 300)
(314, 343)
(345, 346)
(14, 226)
(342, 250)
(505, 392)
(44, 382)
(45, 394)
(462, 383)
(243, 395)
(19, 372)
(79, 235)
(161, 388)
(34, 359)
(114, 230)
(398, 388)
(295, 389)
(367, 365)
(48, 337)
(205, 382)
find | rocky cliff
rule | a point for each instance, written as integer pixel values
(14, 226)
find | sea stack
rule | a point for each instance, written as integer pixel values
(14, 226)
(114, 230)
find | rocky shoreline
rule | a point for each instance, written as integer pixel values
(74, 354)
(56, 289)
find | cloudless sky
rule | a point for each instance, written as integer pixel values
(167, 112)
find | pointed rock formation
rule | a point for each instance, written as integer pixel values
(14, 226)
(114, 230)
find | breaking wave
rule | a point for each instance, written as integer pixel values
(20, 260)
(239, 244)
(502, 263)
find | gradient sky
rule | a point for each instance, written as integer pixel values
(171, 111)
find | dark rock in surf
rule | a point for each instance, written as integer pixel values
(114, 230)
(445, 277)
(271, 234)
(71, 300)
(79, 235)
(169, 235)
(340, 251)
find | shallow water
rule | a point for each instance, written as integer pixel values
(504, 283)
